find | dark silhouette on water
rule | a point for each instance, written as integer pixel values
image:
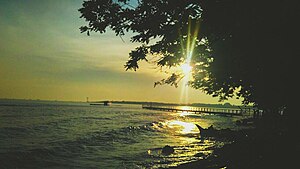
(209, 131)
(219, 133)
(167, 150)
(104, 103)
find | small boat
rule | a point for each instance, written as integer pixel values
(105, 103)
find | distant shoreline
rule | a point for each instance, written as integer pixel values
(39, 100)
(220, 105)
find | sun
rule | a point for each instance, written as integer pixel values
(186, 69)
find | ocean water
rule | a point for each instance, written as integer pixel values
(43, 134)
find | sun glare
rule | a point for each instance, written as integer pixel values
(184, 113)
(186, 69)
(185, 127)
(191, 43)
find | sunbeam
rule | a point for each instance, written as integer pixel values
(186, 67)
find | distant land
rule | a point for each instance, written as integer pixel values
(38, 100)
(220, 105)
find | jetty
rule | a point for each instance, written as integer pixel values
(102, 103)
(204, 110)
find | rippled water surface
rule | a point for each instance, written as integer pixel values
(40, 134)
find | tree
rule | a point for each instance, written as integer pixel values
(237, 48)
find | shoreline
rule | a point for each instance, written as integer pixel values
(261, 147)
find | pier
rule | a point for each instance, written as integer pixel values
(204, 110)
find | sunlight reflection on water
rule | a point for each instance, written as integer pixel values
(124, 136)
(183, 127)
(183, 136)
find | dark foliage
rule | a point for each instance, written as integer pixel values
(241, 48)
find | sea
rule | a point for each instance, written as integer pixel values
(55, 135)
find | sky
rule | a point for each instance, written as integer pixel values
(44, 56)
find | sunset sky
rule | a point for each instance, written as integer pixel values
(43, 55)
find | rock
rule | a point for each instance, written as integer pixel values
(167, 150)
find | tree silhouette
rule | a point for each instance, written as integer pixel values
(239, 49)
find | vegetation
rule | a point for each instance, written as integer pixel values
(240, 49)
